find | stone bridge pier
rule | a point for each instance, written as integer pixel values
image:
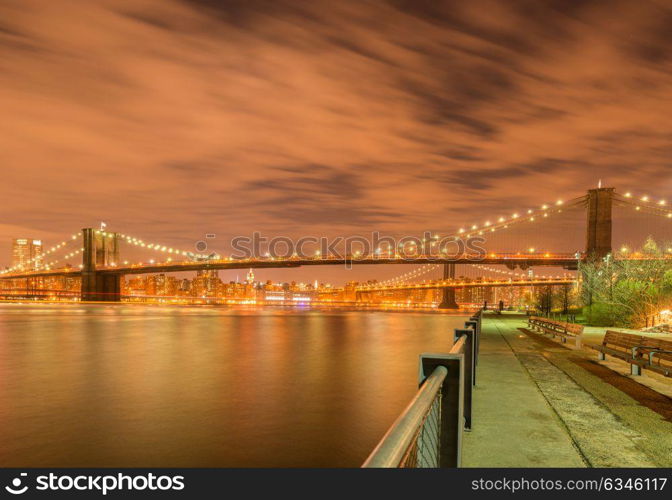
(101, 248)
(448, 300)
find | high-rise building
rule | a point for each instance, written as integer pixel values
(26, 253)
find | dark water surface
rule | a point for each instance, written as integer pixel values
(133, 385)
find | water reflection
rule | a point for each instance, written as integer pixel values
(130, 385)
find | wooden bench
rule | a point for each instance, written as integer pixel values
(575, 331)
(658, 353)
(637, 350)
(560, 328)
(536, 323)
(540, 324)
(532, 321)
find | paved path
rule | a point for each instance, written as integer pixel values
(513, 425)
(536, 404)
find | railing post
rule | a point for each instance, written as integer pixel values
(469, 369)
(474, 326)
(478, 317)
(452, 408)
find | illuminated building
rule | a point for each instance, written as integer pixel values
(172, 286)
(350, 292)
(160, 284)
(150, 285)
(26, 253)
(206, 284)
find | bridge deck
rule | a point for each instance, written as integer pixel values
(567, 261)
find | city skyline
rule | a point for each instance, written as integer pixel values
(290, 119)
(473, 283)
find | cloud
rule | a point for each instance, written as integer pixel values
(175, 117)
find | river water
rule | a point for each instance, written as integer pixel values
(135, 385)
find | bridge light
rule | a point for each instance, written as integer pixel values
(501, 219)
(515, 216)
(662, 202)
(151, 261)
(531, 250)
(125, 262)
(645, 198)
(559, 202)
(529, 211)
(669, 216)
(544, 207)
(628, 195)
(638, 208)
(461, 230)
(474, 227)
(487, 223)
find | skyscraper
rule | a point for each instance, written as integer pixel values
(26, 253)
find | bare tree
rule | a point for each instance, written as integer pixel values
(627, 292)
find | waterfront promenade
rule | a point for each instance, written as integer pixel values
(539, 403)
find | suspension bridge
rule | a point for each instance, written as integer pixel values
(102, 265)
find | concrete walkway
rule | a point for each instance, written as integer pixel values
(513, 425)
(536, 405)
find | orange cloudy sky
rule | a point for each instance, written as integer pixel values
(170, 119)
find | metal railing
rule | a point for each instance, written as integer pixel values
(428, 433)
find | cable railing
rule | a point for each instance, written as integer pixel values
(428, 433)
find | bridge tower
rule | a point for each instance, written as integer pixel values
(448, 301)
(598, 234)
(100, 249)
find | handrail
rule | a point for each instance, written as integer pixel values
(459, 346)
(399, 438)
(400, 442)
